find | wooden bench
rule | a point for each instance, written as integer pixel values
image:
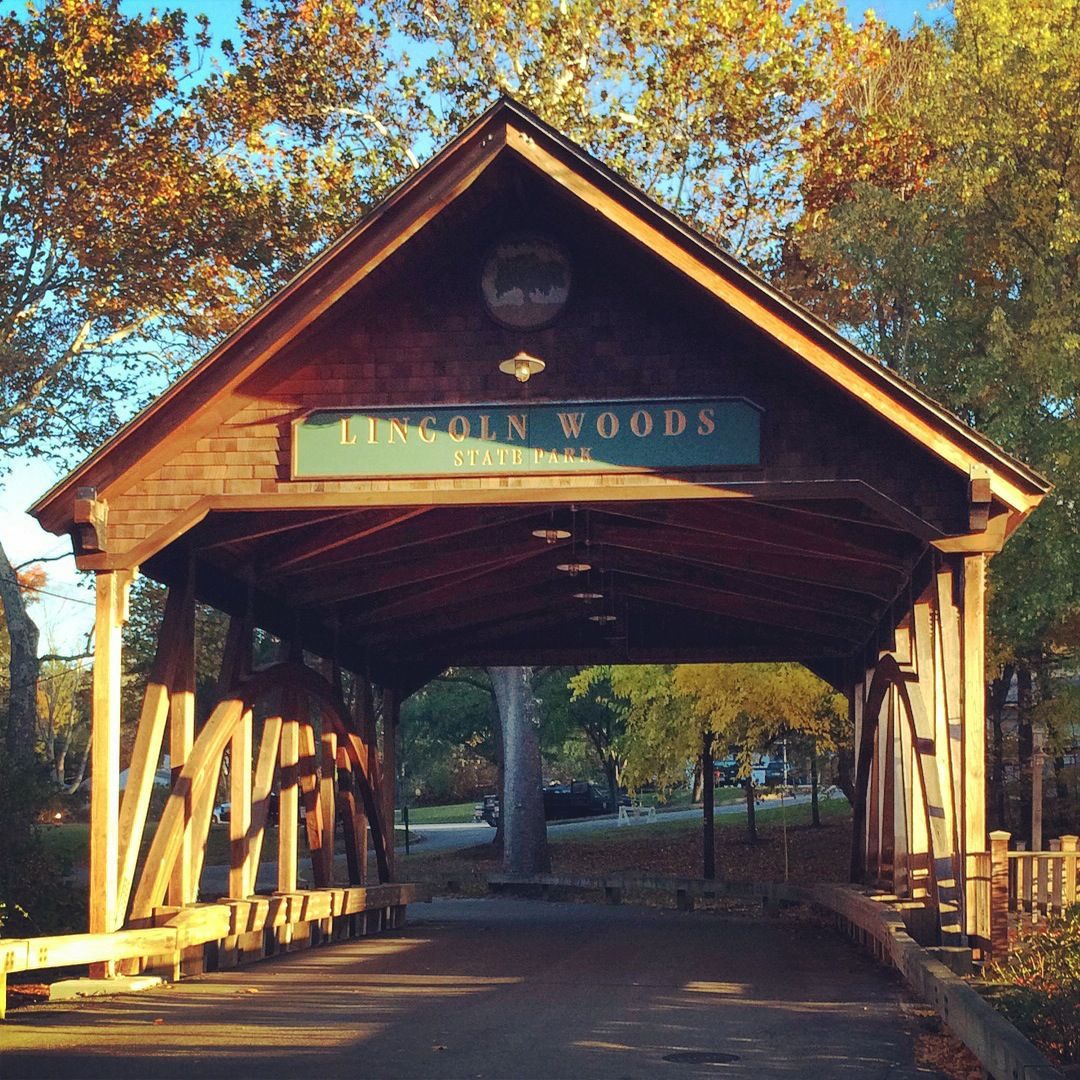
(635, 811)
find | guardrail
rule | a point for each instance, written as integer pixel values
(225, 932)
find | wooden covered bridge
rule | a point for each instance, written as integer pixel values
(521, 415)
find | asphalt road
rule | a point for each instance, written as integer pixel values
(503, 988)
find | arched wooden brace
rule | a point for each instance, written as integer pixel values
(201, 770)
(888, 675)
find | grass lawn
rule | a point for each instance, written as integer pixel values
(681, 799)
(70, 841)
(669, 847)
(452, 813)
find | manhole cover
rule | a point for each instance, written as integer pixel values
(701, 1057)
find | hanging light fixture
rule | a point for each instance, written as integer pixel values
(588, 596)
(551, 533)
(574, 568)
(522, 366)
(607, 614)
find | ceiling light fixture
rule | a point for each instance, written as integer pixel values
(574, 568)
(551, 535)
(522, 366)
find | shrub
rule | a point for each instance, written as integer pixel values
(37, 895)
(1042, 995)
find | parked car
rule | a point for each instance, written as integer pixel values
(726, 772)
(577, 799)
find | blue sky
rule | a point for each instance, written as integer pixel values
(64, 622)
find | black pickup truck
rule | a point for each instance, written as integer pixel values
(562, 802)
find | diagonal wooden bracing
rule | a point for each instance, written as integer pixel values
(288, 737)
(911, 786)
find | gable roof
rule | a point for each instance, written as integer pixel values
(202, 397)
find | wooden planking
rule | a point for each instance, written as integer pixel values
(339, 586)
(249, 526)
(496, 491)
(345, 532)
(773, 528)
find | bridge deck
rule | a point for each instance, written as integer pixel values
(498, 989)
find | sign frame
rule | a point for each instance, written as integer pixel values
(600, 470)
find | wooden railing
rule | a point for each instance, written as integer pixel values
(1028, 887)
(233, 931)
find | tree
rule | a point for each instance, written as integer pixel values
(144, 210)
(595, 711)
(447, 737)
(702, 105)
(64, 722)
(751, 706)
(522, 816)
(958, 266)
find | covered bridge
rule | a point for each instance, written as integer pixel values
(520, 414)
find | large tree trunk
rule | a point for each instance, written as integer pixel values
(815, 812)
(1025, 746)
(997, 694)
(23, 667)
(524, 830)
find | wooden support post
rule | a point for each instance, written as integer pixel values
(370, 738)
(390, 712)
(1037, 735)
(354, 827)
(111, 600)
(327, 788)
(182, 886)
(309, 790)
(241, 876)
(265, 768)
(999, 895)
(973, 713)
(1069, 845)
(288, 801)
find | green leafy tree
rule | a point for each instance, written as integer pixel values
(144, 210)
(956, 260)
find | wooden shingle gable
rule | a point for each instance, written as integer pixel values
(185, 421)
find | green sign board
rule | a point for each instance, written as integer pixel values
(575, 437)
